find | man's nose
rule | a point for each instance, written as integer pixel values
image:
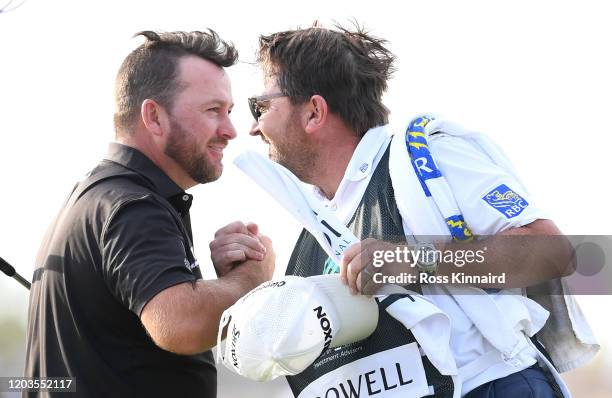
(255, 129)
(228, 131)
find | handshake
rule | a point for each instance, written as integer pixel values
(238, 250)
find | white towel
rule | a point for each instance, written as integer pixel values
(567, 336)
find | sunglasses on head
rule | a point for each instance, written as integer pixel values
(254, 103)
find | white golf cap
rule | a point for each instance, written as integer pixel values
(281, 327)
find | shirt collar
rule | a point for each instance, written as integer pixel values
(135, 160)
(362, 162)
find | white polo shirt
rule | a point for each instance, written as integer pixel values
(473, 177)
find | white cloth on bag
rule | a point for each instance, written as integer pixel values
(429, 325)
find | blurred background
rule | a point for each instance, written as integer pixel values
(533, 75)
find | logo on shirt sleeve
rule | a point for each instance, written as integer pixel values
(506, 201)
(190, 261)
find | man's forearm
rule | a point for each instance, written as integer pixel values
(184, 319)
(200, 318)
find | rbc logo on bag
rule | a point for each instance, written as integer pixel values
(506, 201)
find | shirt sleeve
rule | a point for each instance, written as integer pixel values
(143, 253)
(490, 197)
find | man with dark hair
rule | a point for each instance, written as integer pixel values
(351, 79)
(118, 302)
(321, 114)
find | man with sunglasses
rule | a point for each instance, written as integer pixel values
(322, 116)
(118, 304)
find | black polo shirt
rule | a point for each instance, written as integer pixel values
(123, 236)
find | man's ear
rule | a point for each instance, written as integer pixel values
(154, 117)
(315, 114)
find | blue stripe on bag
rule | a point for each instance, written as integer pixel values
(422, 161)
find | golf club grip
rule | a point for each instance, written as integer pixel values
(22, 281)
(6, 267)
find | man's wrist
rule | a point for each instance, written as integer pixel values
(426, 260)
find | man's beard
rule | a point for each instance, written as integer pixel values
(293, 152)
(183, 148)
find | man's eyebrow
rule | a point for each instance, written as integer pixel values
(217, 102)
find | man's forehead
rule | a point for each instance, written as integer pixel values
(197, 73)
(192, 63)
